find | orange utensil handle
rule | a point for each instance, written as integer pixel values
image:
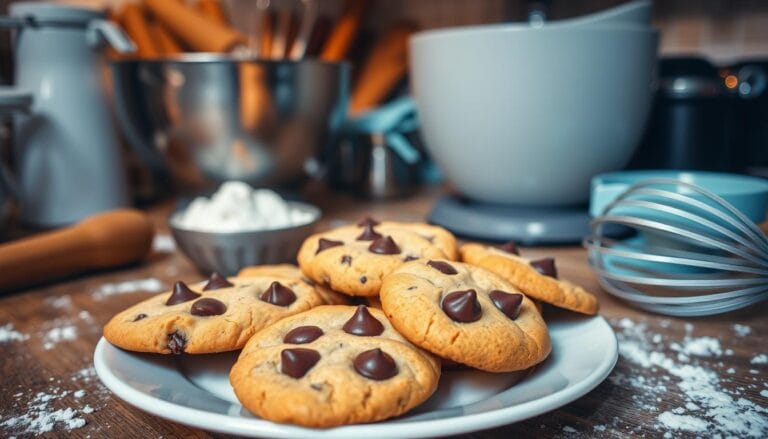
(193, 28)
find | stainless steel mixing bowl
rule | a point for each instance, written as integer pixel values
(206, 118)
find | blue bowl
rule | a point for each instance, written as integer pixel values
(747, 194)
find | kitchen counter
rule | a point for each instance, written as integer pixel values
(698, 377)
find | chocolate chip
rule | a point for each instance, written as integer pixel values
(509, 247)
(208, 306)
(346, 259)
(368, 234)
(462, 306)
(363, 279)
(442, 267)
(412, 287)
(384, 246)
(409, 258)
(368, 222)
(363, 323)
(181, 293)
(217, 281)
(375, 364)
(545, 266)
(176, 342)
(508, 303)
(325, 244)
(317, 387)
(140, 317)
(303, 335)
(278, 294)
(296, 362)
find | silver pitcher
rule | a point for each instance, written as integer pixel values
(68, 157)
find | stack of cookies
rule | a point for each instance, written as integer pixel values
(358, 332)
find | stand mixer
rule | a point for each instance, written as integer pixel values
(521, 116)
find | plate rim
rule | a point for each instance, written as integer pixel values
(256, 427)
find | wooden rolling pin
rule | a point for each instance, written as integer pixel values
(343, 34)
(195, 29)
(104, 240)
(386, 65)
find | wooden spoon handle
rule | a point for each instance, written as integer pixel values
(101, 241)
(193, 28)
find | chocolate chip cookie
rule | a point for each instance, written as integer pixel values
(214, 316)
(354, 259)
(536, 278)
(329, 296)
(330, 366)
(465, 314)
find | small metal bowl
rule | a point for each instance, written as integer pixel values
(228, 252)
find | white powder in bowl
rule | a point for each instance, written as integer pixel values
(237, 207)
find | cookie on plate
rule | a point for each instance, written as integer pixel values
(354, 259)
(465, 314)
(214, 316)
(537, 279)
(329, 296)
(330, 366)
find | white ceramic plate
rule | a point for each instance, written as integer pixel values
(195, 390)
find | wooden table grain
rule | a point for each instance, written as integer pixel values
(57, 326)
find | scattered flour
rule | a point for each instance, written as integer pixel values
(59, 301)
(55, 410)
(741, 330)
(760, 359)
(47, 411)
(673, 421)
(150, 285)
(59, 334)
(699, 346)
(764, 393)
(599, 427)
(7, 334)
(707, 408)
(569, 429)
(163, 244)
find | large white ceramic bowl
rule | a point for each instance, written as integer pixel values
(527, 116)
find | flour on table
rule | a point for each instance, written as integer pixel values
(759, 359)
(741, 330)
(59, 301)
(569, 429)
(673, 421)
(699, 346)
(150, 285)
(163, 244)
(54, 410)
(8, 334)
(59, 334)
(707, 408)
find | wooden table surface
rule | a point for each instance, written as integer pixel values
(50, 333)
